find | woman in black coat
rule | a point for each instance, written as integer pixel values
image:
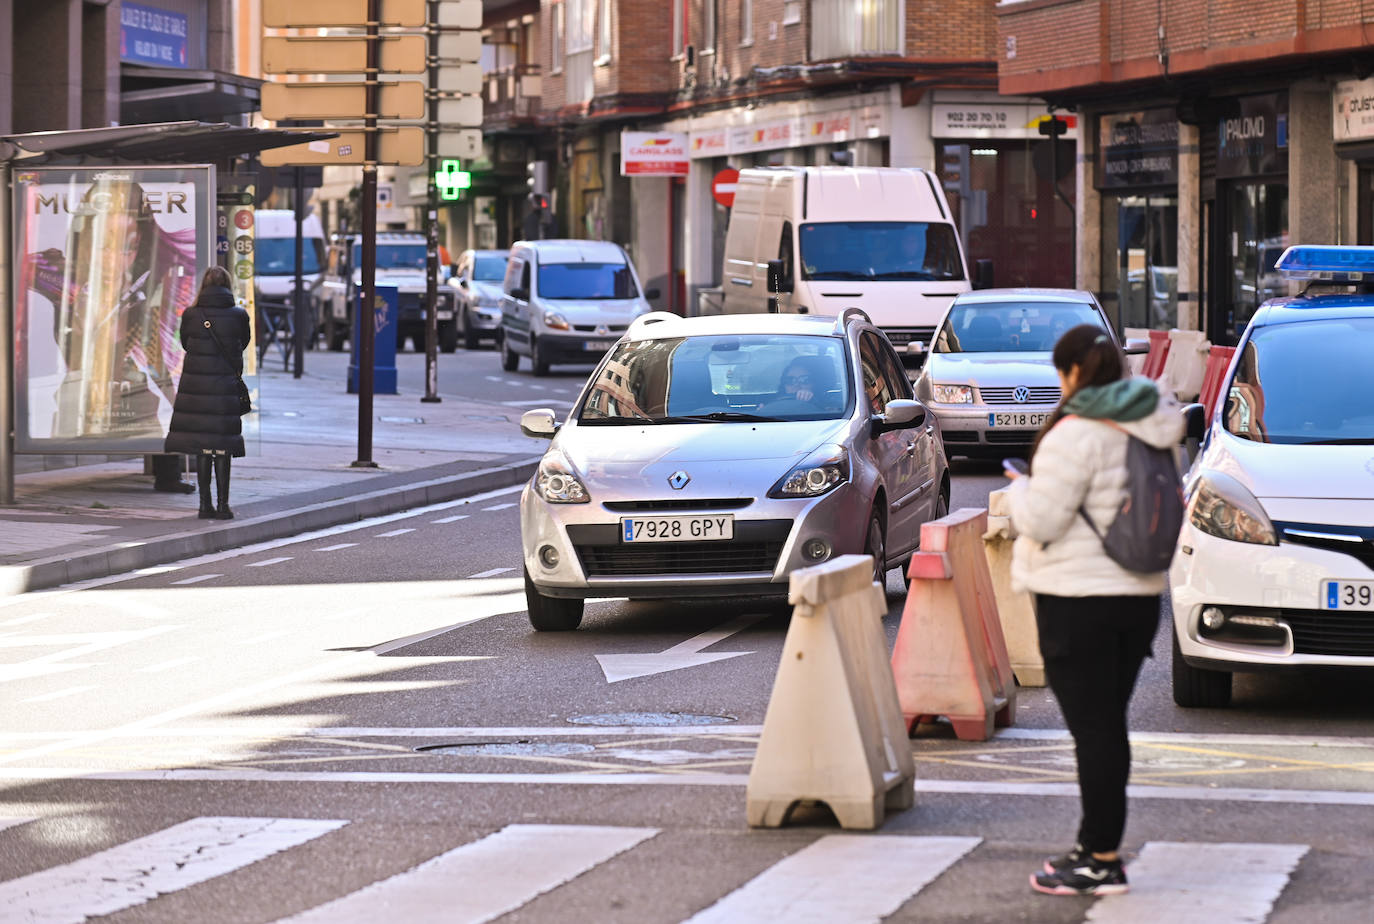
(205, 415)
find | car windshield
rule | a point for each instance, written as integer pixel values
(394, 256)
(586, 280)
(489, 269)
(1309, 382)
(720, 379)
(880, 250)
(1011, 326)
(276, 256)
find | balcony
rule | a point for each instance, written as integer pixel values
(511, 97)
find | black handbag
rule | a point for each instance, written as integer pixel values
(245, 402)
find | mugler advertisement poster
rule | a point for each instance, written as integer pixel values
(106, 260)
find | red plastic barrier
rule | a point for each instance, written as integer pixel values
(1218, 361)
(1159, 352)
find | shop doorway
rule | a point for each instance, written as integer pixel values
(1251, 231)
(1140, 259)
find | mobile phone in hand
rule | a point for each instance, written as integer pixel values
(1018, 466)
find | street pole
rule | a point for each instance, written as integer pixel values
(366, 312)
(298, 305)
(6, 337)
(432, 214)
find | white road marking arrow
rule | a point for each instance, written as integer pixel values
(619, 667)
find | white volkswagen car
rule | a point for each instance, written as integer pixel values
(1275, 566)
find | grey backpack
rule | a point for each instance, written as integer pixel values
(1143, 535)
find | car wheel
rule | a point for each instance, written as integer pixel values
(334, 335)
(551, 614)
(540, 364)
(470, 339)
(448, 337)
(509, 360)
(1198, 688)
(876, 545)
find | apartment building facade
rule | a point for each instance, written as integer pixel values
(1214, 133)
(774, 82)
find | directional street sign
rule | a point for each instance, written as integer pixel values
(464, 110)
(338, 100)
(460, 14)
(460, 78)
(400, 54)
(403, 146)
(465, 144)
(287, 14)
(460, 46)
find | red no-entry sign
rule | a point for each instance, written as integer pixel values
(723, 186)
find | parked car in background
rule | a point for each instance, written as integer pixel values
(989, 377)
(401, 258)
(567, 301)
(1275, 565)
(476, 282)
(713, 456)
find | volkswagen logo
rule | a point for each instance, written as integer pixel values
(1020, 394)
(678, 480)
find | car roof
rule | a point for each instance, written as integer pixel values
(1314, 307)
(572, 251)
(1028, 294)
(489, 253)
(814, 325)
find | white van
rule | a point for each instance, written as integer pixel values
(876, 238)
(274, 248)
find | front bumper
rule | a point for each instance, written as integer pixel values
(1272, 582)
(967, 429)
(412, 308)
(769, 535)
(487, 320)
(557, 347)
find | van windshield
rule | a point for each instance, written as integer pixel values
(586, 280)
(880, 250)
(276, 256)
(394, 256)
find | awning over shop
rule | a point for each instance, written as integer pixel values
(158, 142)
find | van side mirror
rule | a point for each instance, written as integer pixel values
(982, 274)
(520, 294)
(1194, 422)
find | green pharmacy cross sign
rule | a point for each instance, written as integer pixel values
(451, 180)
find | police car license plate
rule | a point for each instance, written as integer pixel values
(677, 528)
(1347, 595)
(1024, 421)
(598, 346)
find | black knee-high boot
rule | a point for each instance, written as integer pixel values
(222, 512)
(203, 464)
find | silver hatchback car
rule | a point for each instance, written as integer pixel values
(989, 377)
(712, 456)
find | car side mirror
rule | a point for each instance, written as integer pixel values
(899, 414)
(982, 274)
(917, 347)
(1194, 422)
(1136, 347)
(520, 294)
(651, 294)
(539, 423)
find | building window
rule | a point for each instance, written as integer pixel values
(559, 38)
(679, 26)
(746, 22)
(791, 12)
(603, 35)
(580, 27)
(708, 28)
(842, 28)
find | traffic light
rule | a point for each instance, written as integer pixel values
(1053, 127)
(451, 179)
(537, 176)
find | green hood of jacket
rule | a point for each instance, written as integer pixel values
(1123, 401)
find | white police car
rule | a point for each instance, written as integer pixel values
(1275, 567)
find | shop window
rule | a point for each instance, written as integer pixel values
(1255, 236)
(1140, 260)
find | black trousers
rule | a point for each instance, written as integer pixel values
(1093, 648)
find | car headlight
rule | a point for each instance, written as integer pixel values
(818, 474)
(489, 301)
(1221, 506)
(557, 482)
(953, 394)
(556, 321)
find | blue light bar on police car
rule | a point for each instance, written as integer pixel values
(1328, 263)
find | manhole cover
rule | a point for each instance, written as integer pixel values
(651, 719)
(511, 748)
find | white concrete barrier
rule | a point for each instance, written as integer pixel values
(1185, 364)
(833, 732)
(1015, 609)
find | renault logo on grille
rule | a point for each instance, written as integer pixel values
(602, 330)
(678, 480)
(1020, 394)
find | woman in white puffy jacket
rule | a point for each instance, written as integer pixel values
(1096, 620)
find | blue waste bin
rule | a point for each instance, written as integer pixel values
(385, 319)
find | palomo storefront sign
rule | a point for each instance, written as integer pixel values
(653, 154)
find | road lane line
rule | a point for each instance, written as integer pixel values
(483, 880)
(1217, 883)
(269, 561)
(60, 694)
(167, 665)
(841, 877)
(25, 620)
(492, 378)
(197, 579)
(452, 519)
(337, 546)
(491, 572)
(535, 387)
(140, 870)
(499, 507)
(396, 532)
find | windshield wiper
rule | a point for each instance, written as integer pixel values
(616, 421)
(739, 416)
(822, 275)
(1347, 441)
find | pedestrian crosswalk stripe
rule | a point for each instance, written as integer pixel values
(12, 822)
(841, 877)
(1216, 883)
(139, 870)
(482, 880)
